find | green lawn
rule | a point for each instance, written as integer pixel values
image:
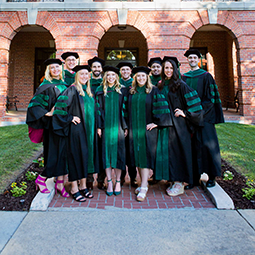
(16, 150)
(237, 144)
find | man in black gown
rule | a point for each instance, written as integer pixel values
(206, 151)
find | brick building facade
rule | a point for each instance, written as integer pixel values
(30, 32)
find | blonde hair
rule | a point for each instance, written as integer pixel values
(79, 88)
(117, 86)
(48, 76)
(148, 85)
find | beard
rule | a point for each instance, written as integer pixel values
(96, 74)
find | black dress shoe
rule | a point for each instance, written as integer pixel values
(210, 183)
(133, 184)
(101, 185)
(189, 186)
(89, 185)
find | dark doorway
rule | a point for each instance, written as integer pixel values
(41, 54)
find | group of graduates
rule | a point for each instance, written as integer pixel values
(97, 118)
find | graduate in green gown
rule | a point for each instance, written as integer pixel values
(39, 116)
(147, 110)
(71, 60)
(174, 151)
(96, 64)
(206, 150)
(74, 117)
(156, 68)
(112, 127)
(126, 80)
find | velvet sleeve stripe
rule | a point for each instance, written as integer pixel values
(194, 101)
(157, 96)
(191, 94)
(40, 100)
(44, 97)
(195, 108)
(160, 103)
(61, 105)
(60, 112)
(63, 97)
(34, 104)
(161, 111)
(125, 98)
(98, 113)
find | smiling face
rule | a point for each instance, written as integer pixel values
(141, 78)
(71, 62)
(55, 71)
(83, 76)
(125, 72)
(96, 69)
(168, 70)
(111, 78)
(156, 69)
(193, 61)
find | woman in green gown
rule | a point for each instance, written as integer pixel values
(112, 127)
(147, 110)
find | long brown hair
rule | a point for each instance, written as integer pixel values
(174, 80)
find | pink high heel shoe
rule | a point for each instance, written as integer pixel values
(41, 181)
(63, 191)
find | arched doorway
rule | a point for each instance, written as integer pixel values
(220, 51)
(123, 44)
(29, 49)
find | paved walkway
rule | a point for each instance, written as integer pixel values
(122, 231)
(156, 199)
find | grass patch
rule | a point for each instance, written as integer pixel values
(237, 144)
(16, 150)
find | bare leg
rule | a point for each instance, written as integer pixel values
(83, 184)
(118, 176)
(108, 172)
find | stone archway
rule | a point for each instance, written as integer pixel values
(220, 50)
(28, 50)
(124, 38)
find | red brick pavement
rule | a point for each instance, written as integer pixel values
(156, 199)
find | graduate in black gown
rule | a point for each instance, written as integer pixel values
(112, 127)
(74, 116)
(205, 143)
(71, 60)
(174, 151)
(39, 116)
(156, 68)
(96, 64)
(147, 110)
(126, 80)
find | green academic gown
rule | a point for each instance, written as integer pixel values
(54, 146)
(155, 79)
(111, 109)
(69, 77)
(205, 144)
(144, 109)
(95, 83)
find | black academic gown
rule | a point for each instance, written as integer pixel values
(82, 154)
(54, 146)
(110, 119)
(174, 151)
(205, 142)
(144, 109)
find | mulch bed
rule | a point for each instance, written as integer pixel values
(233, 188)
